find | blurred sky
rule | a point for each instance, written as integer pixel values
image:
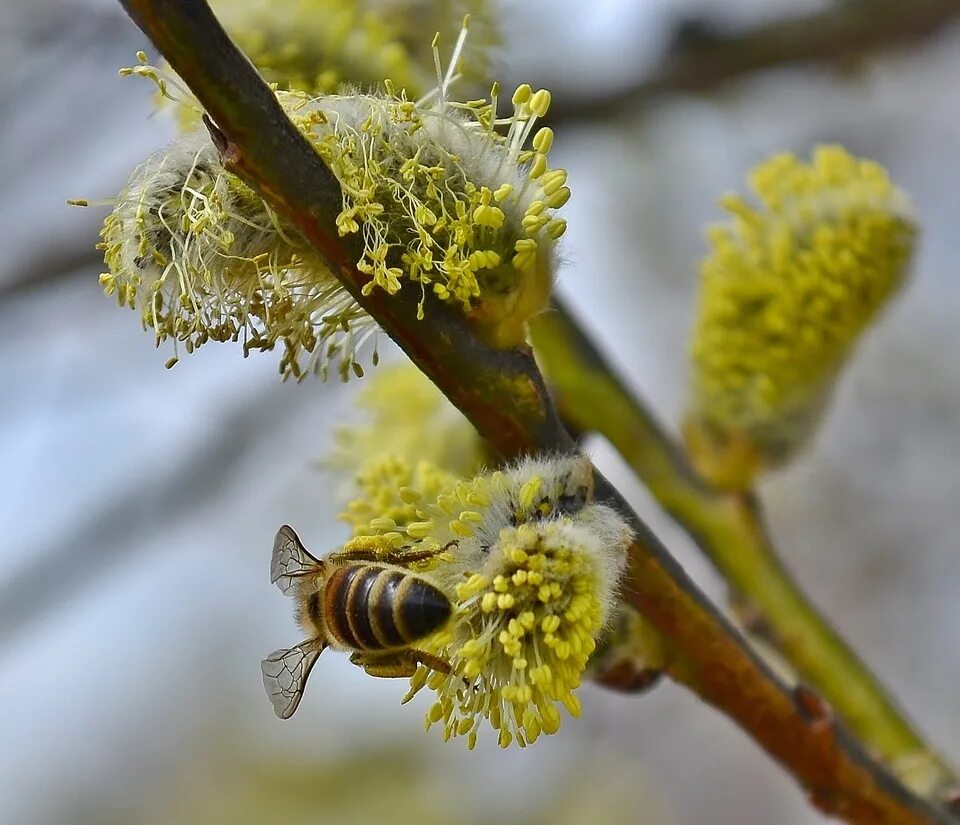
(138, 505)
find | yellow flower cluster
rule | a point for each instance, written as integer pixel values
(205, 259)
(528, 622)
(442, 194)
(408, 437)
(382, 497)
(402, 416)
(531, 565)
(529, 561)
(789, 286)
(443, 199)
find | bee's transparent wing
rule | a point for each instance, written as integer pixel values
(290, 561)
(285, 675)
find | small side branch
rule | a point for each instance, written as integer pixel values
(503, 395)
(730, 530)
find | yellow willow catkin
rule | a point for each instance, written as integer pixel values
(521, 568)
(529, 562)
(443, 196)
(532, 565)
(789, 286)
(406, 436)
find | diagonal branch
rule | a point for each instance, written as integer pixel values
(730, 530)
(701, 60)
(503, 394)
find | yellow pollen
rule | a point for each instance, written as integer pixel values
(419, 529)
(543, 140)
(540, 102)
(522, 94)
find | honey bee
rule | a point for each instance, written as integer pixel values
(359, 599)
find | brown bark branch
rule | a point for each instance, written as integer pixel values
(503, 395)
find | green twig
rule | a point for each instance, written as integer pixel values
(730, 529)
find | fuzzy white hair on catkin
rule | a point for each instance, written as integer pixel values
(166, 170)
(596, 530)
(485, 162)
(560, 475)
(191, 169)
(606, 536)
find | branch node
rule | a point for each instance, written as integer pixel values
(218, 138)
(813, 707)
(823, 800)
(626, 678)
(951, 799)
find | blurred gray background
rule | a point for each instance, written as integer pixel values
(138, 505)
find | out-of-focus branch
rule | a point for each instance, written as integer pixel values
(844, 31)
(730, 529)
(111, 536)
(48, 266)
(503, 395)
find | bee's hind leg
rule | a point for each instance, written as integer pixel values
(365, 548)
(433, 662)
(397, 664)
(385, 665)
(405, 556)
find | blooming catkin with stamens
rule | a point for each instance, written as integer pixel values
(532, 565)
(444, 201)
(410, 448)
(204, 258)
(442, 196)
(407, 438)
(787, 290)
(527, 625)
(387, 492)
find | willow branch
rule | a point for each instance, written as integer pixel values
(503, 395)
(701, 61)
(730, 529)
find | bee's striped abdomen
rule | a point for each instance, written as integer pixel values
(348, 591)
(383, 606)
(419, 608)
(373, 607)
